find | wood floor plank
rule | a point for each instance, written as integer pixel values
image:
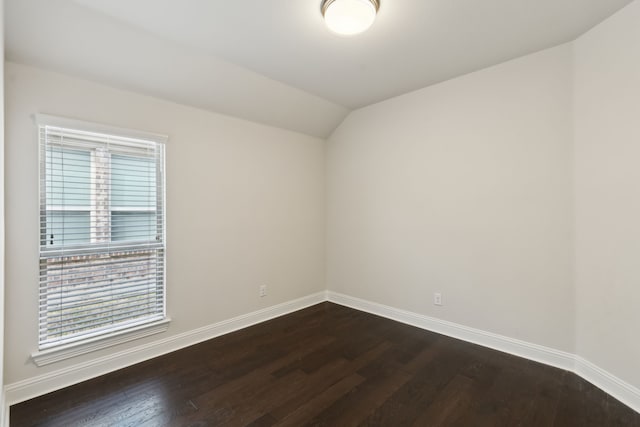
(429, 375)
(354, 407)
(304, 413)
(334, 371)
(330, 365)
(447, 407)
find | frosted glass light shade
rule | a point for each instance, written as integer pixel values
(348, 17)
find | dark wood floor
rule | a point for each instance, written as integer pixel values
(330, 366)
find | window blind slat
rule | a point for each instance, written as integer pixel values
(75, 299)
(69, 299)
(61, 323)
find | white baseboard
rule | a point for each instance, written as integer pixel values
(42, 384)
(614, 386)
(624, 392)
(538, 353)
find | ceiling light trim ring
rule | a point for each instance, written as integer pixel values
(326, 3)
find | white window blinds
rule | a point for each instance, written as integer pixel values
(102, 246)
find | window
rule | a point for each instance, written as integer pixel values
(102, 245)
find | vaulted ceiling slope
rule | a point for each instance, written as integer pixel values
(274, 61)
(65, 37)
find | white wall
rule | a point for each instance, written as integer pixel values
(245, 207)
(464, 188)
(607, 165)
(2, 397)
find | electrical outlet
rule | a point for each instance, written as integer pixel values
(263, 291)
(437, 298)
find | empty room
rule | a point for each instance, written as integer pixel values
(320, 213)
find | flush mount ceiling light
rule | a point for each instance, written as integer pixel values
(348, 17)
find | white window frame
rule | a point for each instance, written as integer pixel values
(64, 350)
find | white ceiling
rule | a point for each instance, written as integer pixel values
(273, 61)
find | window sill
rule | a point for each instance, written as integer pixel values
(56, 354)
